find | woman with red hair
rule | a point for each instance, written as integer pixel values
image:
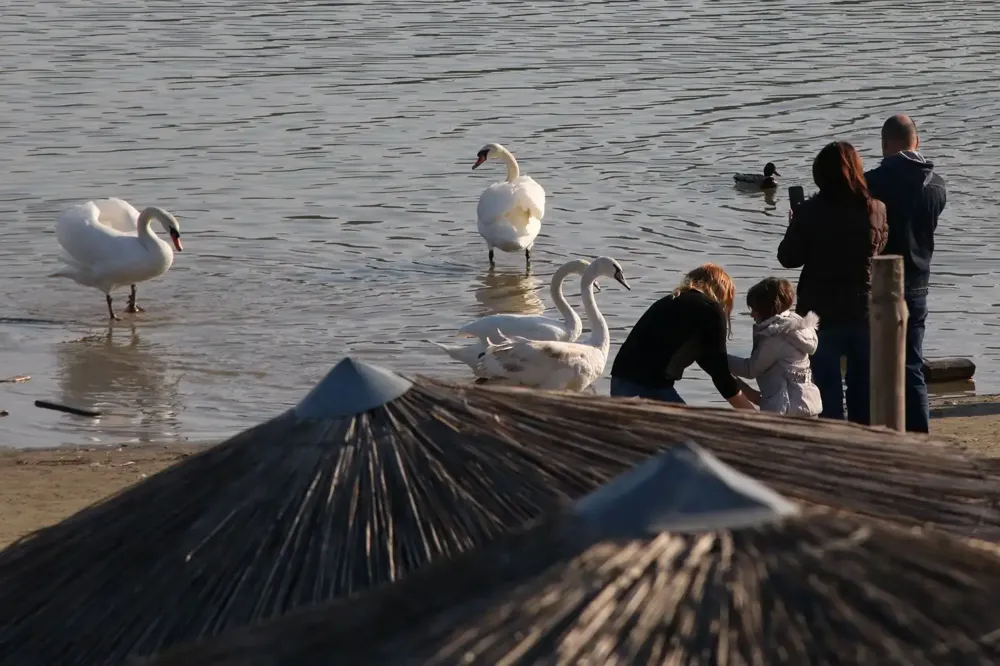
(689, 325)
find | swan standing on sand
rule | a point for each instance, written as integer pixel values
(509, 214)
(531, 327)
(569, 366)
(107, 244)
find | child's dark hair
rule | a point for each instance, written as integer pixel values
(771, 296)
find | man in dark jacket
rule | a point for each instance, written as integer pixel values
(914, 197)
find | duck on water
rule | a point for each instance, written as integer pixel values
(759, 181)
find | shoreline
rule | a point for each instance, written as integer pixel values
(41, 486)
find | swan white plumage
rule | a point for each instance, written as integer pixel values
(569, 366)
(531, 327)
(509, 214)
(107, 243)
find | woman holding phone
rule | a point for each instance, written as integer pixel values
(832, 237)
(689, 325)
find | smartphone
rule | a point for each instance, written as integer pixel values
(796, 195)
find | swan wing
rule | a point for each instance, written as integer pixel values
(518, 201)
(92, 246)
(468, 354)
(545, 365)
(532, 327)
(530, 196)
(118, 214)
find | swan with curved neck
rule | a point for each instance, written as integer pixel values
(509, 214)
(107, 243)
(557, 365)
(531, 327)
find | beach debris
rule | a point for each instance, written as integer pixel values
(79, 411)
(374, 476)
(681, 560)
(16, 379)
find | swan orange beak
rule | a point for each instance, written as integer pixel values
(479, 160)
(175, 236)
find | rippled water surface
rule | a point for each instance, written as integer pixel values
(318, 158)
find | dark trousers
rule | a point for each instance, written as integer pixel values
(851, 341)
(918, 413)
(623, 388)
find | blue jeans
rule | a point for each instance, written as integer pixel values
(852, 341)
(918, 413)
(623, 388)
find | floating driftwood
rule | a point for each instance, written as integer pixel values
(679, 561)
(15, 379)
(372, 476)
(79, 411)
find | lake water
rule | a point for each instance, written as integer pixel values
(318, 158)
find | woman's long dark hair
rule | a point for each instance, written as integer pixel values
(839, 174)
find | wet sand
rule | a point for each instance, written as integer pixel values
(41, 487)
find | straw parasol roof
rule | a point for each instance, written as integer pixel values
(369, 477)
(682, 560)
(372, 476)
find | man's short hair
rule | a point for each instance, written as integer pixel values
(900, 128)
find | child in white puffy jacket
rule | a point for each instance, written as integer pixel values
(782, 344)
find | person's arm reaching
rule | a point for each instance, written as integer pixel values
(761, 359)
(752, 394)
(740, 401)
(714, 359)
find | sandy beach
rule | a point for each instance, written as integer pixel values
(40, 487)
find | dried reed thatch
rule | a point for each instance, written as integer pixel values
(368, 478)
(372, 476)
(679, 561)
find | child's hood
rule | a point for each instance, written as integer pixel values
(798, 331)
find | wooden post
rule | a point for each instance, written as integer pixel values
(887, 315)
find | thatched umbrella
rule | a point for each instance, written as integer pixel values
(679, 561)
(369, 477)
(372, 476)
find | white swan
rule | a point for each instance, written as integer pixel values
(107, 243)
(569, 366)
(532, 327)
(509, 214)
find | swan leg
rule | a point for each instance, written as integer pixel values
(491, 256)
(132, 307)
(527, 255)
(111, 310)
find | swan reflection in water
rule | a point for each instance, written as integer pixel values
(514, 292)
(137, 391)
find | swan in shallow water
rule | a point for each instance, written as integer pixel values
(509, 214)
(571, 366)
(531, 327)
(107, 243)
